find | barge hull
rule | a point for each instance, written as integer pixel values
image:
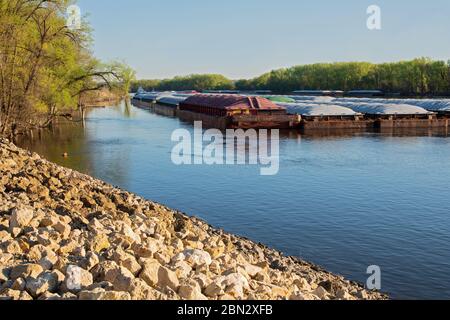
(336, 124)
(273, 121)
(207, 120)
(165, 110)
(240, 122)
(142, 104)
(412, 123)
(287, 121)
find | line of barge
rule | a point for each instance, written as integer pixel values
(227, 111)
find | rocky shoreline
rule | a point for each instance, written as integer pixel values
(68, 236)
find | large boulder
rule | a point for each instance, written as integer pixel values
(194, 257)
(150, 272)
(20, 218)
(120, 277)
(46, 282)
(26, 270)
(77, 278)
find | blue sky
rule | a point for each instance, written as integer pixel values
(245, 38)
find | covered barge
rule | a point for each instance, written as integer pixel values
(397, 115)
(235, 111)
(323, 116)
(306, 113)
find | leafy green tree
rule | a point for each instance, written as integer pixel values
(127, 76)
(45, 67)
(416, 77)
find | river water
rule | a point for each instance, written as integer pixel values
(344, 202)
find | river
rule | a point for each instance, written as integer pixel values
(344, 202)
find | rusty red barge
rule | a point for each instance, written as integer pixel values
(234, 111)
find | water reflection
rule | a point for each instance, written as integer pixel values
(82, 142)
(65, 137)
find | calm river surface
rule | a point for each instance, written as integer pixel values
(343, 202)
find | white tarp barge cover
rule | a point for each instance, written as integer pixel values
(428, 104)
(379, 106)
(316, 109)
(171, 100)
(383, 109)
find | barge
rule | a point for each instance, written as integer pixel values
(171, 101)
(235, 111)
(224, 111)
(145, 100)
(322, 116)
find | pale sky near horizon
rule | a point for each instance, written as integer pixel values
(245, 38)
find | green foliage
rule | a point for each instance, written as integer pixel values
(46, 67)
(198, 82)
(416, 77)
(126, 76)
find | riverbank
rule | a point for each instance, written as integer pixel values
(65, 235)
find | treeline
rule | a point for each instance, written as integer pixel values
(421, 76)
(46, 68)
(417, 77)
(197, 82)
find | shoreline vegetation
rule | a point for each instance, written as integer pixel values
(65, 235)
(418, 77)
(47, 70)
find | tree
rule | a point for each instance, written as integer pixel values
(416, 77)
(126, 75)
(45, 66)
